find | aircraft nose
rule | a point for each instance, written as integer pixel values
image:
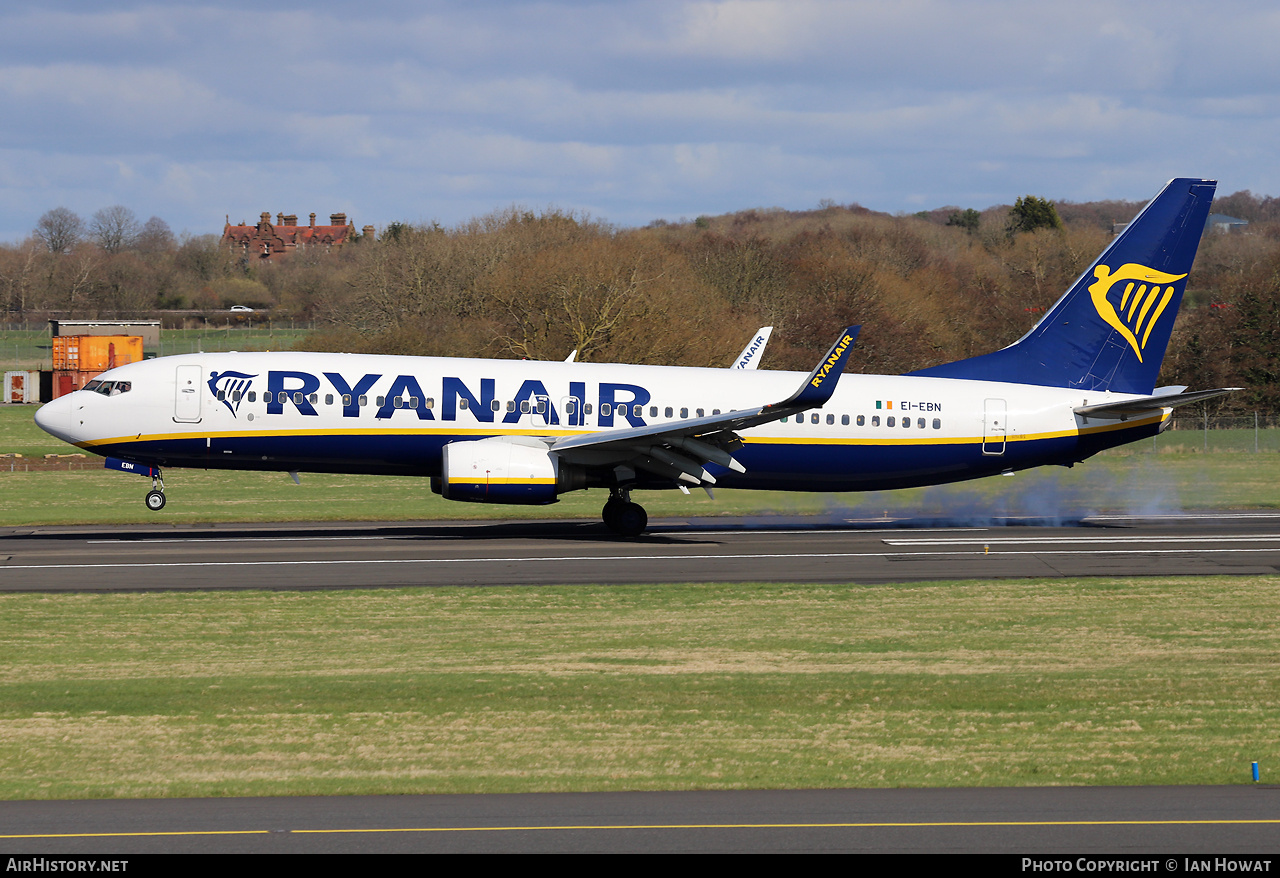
(55, 418)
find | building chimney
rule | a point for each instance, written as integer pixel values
(279, 219)
(290, 219)
(368, 232)
(337, 219)
(313, 219)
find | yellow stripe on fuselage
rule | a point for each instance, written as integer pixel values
(798, 439)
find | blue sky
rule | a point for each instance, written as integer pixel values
(627, 111)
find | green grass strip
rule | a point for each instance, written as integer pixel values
(1142, 681)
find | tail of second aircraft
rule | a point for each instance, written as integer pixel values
(1111, 328)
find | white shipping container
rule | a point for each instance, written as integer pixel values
(21, 387)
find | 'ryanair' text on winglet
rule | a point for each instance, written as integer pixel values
(817, 389)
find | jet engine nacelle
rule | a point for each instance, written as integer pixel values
(513, 469)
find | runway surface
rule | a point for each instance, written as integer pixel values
(1070, 820)
(1165, 821)
(326, 556)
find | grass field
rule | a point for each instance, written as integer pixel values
(1153, 681)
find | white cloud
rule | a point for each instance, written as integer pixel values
(630, 110)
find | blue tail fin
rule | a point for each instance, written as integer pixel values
(1110, 330)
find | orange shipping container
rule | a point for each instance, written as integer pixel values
(95, 353)
(68, 382)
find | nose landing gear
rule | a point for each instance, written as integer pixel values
(155, 497)
(623, 517)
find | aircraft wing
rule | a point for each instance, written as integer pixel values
(681, 449)
(1131, 408)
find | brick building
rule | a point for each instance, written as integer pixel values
(276, 241)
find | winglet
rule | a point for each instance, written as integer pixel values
(821, 383)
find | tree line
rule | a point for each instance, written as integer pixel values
(927, 288)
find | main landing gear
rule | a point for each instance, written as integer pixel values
(155, 497)
(623, 517)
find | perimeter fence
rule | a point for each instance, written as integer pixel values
(1255, 433)
(29, 346)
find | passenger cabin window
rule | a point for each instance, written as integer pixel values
(524, 406)
(653, 411)
(684, 413)
(889, 422)
(346, 399)
(586, 408)
(253, 396)
(382, 400)
(463, 403)
(637, 410)
(511, 405)
(670, 412)
(831, 419)
(813, 418)
(328, 399)
(569, 407)
(937, 423)
(701, 413)
(862, 420)
(844, 420)
(364, 400)
(920, 423)
(494, 405)
(605, 409)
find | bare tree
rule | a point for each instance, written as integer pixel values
(156, 236)
(114, 228)
(17, 271)
(59, 229)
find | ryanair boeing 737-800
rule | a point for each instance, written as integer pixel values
(503, 431)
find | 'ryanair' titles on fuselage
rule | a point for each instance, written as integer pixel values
(404, 393)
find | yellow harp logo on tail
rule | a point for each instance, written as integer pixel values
(1142, 301)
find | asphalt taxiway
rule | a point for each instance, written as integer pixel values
(327, 556)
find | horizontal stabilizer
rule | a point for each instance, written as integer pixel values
(1132, 408)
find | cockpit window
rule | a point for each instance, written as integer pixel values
(108, 388)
